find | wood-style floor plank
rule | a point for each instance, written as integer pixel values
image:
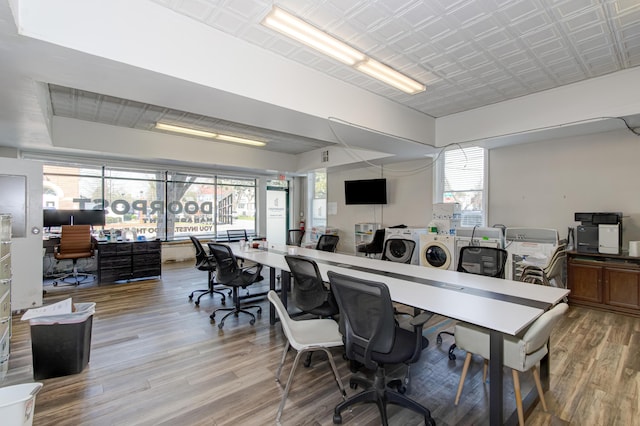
(156, 359)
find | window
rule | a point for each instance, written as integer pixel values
(318, 190)
(461, 178)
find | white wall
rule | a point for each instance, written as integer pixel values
(409, 196)
(543, 184)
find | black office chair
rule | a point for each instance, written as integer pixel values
(294, 237)
(398, 250)
(205, 262)
(236, 235)
(371, 337)
(309, 292)
(479, 260)
(231, 275)
(327, 242)
(375, 246)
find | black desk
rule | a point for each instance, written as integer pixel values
(119, 261)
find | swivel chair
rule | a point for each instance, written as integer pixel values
(205, 262)
(75, 243)
(479, 260)
(375, 246)
(309, 292)
(398, 250)
(327, 242)
(305, 336)
(371, 337)
(231, 275)
(294, 237)
(520, 354)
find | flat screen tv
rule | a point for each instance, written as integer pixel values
(367, 191)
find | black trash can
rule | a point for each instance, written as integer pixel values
(61, 344)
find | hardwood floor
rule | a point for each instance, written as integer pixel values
(157, 360)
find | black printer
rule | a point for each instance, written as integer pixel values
(589, 231)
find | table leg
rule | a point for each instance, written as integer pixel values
(496, 350)
(272, 286)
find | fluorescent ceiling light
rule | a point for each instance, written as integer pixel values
(205, 134)
(305, 33)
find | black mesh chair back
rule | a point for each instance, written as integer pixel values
(376, 244)
(309, 291)
(236, 234)
(480, 260)
(327, 242)
(204, 261)
(398, 250)
(294, 237)
(227, 266)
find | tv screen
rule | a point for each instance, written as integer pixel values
(368, 191)
(54, 217)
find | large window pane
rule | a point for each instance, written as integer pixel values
(190, 205)
(236, 203)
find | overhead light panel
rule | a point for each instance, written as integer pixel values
(205, 134)
(313, 37)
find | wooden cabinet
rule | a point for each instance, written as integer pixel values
(604, 281)
(119, 261)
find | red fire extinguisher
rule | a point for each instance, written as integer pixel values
(302, 225)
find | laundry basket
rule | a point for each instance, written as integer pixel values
(17, 404)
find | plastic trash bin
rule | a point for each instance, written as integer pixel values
(61, 344)
(17, 404)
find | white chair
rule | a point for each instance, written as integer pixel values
(305, 336)
(519, 354)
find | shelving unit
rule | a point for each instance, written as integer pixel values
(5, 292)
(364, 233)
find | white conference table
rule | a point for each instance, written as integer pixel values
(503, 307)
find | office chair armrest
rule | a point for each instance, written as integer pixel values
(421, 319)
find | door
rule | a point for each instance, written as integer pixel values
(21, 194)
(277, 207)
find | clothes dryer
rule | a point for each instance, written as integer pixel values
(407, 234)
(437, 251)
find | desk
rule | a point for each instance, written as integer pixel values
(503, 307)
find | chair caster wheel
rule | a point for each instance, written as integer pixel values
(439, 339)
(401, 389)
(197, 303)
(55, 284)
(452, 357)
(222, 301)
(213, 317)
(252, 322)
(337, 419)
(220, 326)
(430, 422)
(190, 298)
(353, 385)
(307, 363)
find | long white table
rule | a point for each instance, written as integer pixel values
(503, 307)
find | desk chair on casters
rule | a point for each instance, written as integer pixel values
(305, 336)
(371, 337)
(327, 242)
(519, 354)
(75, 243)
(479, 260)
(231, 275)
(205, 262)
(294, 237)
(375, 246)
(309, 292)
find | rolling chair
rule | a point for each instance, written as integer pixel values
(398, 250)
(231, 275)
(520, 354)
(375, 246)
(236, 235)
(371, 337)
(305, 336)
(327, 242)
(75, 243)
(309, 292)
(205, 262)
(479, 260)
(294, 237)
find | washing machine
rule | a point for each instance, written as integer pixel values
(438, 251)
(481, 237)
(399, 253)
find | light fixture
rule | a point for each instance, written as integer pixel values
(305, 33)
(205, 134)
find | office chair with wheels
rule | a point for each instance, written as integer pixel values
(327, 242)
(520, 354)
(375, 246)
(231, 275)
(479, 260)
(305, 336)
(371, 337)
(205, 262)
(294, 237)
(236, 235)
(309, 292)
(75, 243)
(398, 250)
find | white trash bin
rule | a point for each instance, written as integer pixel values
(17, 404)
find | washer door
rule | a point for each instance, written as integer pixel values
(436, 255)
(396, 250)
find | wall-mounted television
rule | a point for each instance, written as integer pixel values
(367, 191)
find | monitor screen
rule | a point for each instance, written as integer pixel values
(368, 191)
(56, 217)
